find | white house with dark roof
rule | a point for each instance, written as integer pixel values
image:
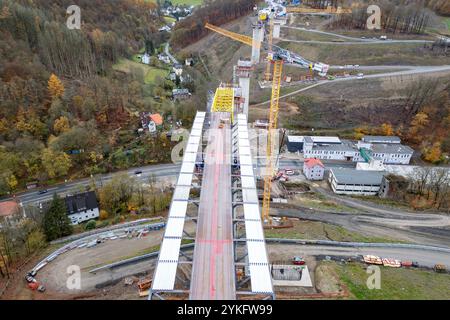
(82, 207)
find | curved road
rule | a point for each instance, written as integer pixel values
(353, 40)
(412, 71)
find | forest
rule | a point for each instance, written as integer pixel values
(64, 111)
(191, 29)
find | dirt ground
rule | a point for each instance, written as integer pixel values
(54, 276)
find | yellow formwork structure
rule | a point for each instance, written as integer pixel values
(224, 100)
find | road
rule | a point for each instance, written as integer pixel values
(171, 57)
(160, 171)
(353, 40)
(377, 220)
(411, 71)
(213, 274)
(427, 258)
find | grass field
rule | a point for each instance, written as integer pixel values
(397, 284)
(150, 73)
(321, 231)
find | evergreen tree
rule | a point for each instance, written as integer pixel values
(56, 224)
(149, 47)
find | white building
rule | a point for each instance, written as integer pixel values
(82, 207)
(332, 148)
(178, 69)
(145, 59)
(313, 169)
(355, 182)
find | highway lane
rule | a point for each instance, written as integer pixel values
(160, 171)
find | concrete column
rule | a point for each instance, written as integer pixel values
(276, 30)
(258, 33)
(244, 83)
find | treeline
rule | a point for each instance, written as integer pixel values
(74, 53)
(395, 17)
(426, 119)
(192, 28)
(64, 111)
(439, 6)
(322, 4)
(427, 188)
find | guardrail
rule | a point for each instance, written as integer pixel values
(288, 241)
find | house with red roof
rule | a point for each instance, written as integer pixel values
(155, 122)
(10, 211)
(313, 169)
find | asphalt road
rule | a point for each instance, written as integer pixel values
(160, 171)
(352, 40)
(427, 258)
(411, 71)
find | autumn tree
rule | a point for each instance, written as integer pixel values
(55, 87)
(56, 163)
(386, 129)
(434, 153)
(419, 122)
(61, 125)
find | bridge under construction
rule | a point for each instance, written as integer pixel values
(230, 258)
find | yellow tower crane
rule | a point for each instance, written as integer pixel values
(277, 59)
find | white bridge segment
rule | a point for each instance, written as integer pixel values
(166, 270)
(260, 278)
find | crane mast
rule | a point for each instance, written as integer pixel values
(277, 56)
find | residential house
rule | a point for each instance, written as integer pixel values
(155, 123)
(178, 69)
(82, 207)
(189, 62)
(180, 94)
(164, 58)
(313, 169)
(10, 212)
(145, 58)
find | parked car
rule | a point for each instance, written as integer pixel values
(298, 260)
(289, 172)
(137, 172)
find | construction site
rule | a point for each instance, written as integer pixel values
(231, 191)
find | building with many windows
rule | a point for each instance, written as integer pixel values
(313, 169)
(355, 182)
(388, 149)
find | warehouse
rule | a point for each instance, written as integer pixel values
(355, 182)
(295, 143)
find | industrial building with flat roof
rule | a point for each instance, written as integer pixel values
(386, 149)
(356, 182)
